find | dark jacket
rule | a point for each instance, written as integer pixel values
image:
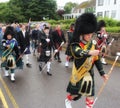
(23, 42)
(45, 46)
(57, 39)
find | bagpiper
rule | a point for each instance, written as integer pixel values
(10, 57)
(102, 39)
(85, 54)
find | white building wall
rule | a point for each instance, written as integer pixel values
(108, 5)
(74, 15)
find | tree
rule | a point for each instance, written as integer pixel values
(68, 7)
(37, 9)
(60, 12)
(3, 10)
(14, 12)
(22, 10)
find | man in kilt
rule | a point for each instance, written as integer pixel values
(102, 39)
(46, 44)
(10, 57)
(85, 57)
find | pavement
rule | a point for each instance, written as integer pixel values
(34, 89)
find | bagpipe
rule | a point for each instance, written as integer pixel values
(7, 51)
(8, 58)
(103, 43)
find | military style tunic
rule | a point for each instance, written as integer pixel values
(82, 78)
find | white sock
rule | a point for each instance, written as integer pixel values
(48, 66)
(12, 76)
(6, 73)
(27, 58)
(68, 103)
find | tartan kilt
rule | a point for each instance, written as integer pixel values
(74, 89)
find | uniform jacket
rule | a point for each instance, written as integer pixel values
(80, 54)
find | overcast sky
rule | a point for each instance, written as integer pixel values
(62, 2)
(59, 2)
(3, 0)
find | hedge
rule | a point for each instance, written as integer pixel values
(111, 24)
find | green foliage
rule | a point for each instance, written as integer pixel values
(118, 23)
(68, 7)
(113, 29)
(22, 10)
(110, 22)
(113, 26)
(65, 24)
(3, 10)
(68, 21)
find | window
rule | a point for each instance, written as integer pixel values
(72, 16)
(106, 14)
(108, 2)
(113, 14)
(100, 2)
(79, 10)
(100, 14)
(115, 1)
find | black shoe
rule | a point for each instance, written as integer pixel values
(55, 58)
(49, 74)
(28, 65)
(40, 68)
(59, 60)
(38, 59)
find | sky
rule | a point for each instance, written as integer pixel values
(59, 2)
(63, 2)
(3, 0)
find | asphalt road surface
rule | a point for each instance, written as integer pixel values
(33, 89)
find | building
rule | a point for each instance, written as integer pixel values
(108, 8)
(74, 13)
(87, 6)
(102, 8)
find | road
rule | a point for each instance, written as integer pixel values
(33, 89)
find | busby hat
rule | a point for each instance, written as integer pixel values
(9, 31)
(85, 24)
(101, 24)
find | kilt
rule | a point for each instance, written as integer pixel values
(68, 51)
(43, 57)
(75, 89)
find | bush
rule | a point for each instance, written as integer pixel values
(110, 22)
(113, 29)
(65, 24)
(111, 25)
